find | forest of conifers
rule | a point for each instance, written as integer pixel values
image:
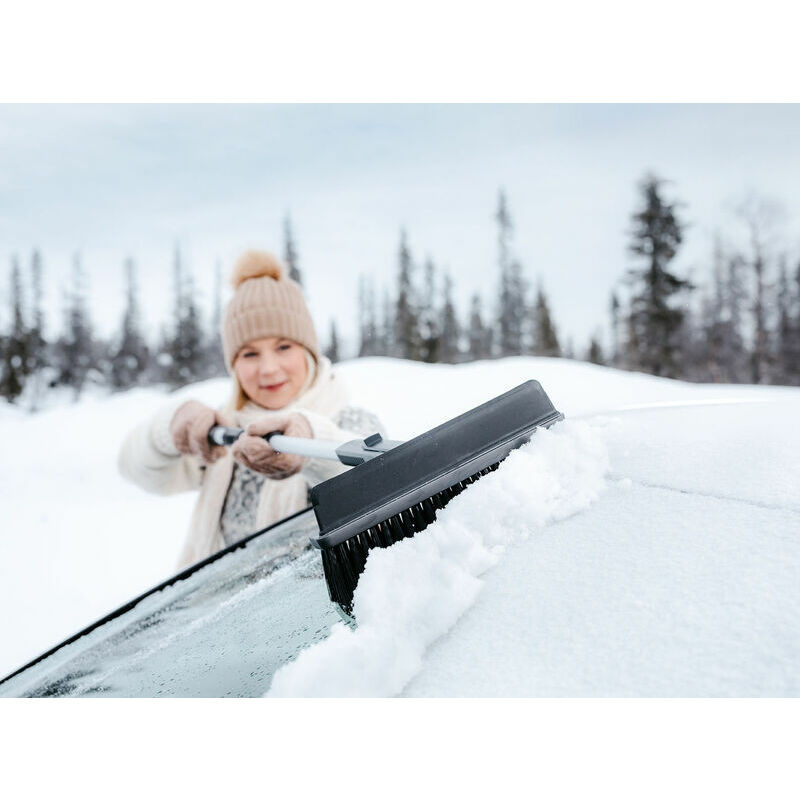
(739, 323)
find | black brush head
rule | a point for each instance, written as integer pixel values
(395, 495)
(343, 563)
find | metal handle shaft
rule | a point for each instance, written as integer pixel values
(297, 445)
(351, 453)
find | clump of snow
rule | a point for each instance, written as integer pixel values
(412, 593)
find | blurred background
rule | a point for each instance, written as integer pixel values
(659, 238)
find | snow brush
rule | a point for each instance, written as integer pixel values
(395, 488)
(396, 494)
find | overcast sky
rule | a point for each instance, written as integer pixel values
(113, 181)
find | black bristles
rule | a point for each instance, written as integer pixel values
(343, 563)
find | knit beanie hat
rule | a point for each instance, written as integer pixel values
(266, 302)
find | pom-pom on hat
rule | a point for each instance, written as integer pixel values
(266, 302)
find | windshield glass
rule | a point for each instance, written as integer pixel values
(222, 631)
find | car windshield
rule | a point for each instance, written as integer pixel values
(221, 631)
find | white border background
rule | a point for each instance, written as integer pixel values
(415, 51)
(399, 52)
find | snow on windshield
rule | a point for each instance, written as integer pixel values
(413, 592)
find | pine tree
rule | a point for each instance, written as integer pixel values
(718, 352)
(760, 357)
(784, 324)
(788, 329)
(792, 348)
(545, 339)
(595, 352)
(76, 347)
(715, 326)
(369, 337)
(759, 215)
(654, 321)
(407, 341)
(429, 324)
(190, 355)
(449, 349)
(386, 343)
(216, 314)
(290, 252)
(733, 356)
(479, 334)
(503, 219)
(511, 297)
(518, 340)
(215, 358)
(332, 351)
(15, 365)
(131, 356)
(630, 341)
(37, 348)
(689, 343)
(362, 316)
(184, 347)
(614, 310)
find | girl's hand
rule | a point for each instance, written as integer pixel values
(255, 452)
(189, 430)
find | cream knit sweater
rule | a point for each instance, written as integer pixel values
(149, 458)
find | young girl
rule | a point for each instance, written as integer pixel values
(281, 382)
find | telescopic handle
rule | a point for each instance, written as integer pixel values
(350, 453)
(297, 445)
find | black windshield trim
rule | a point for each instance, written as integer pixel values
(161, 586)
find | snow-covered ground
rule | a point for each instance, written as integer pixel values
(646, 550)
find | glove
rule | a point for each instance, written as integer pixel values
(255, 452)
(189, 430)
